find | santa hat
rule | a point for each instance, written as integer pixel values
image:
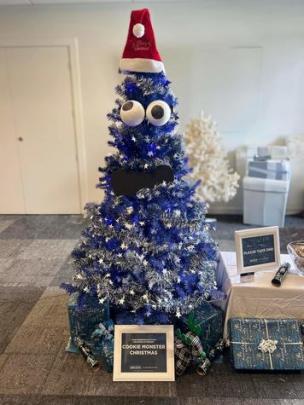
(140, 53)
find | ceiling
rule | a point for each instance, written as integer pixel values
(36, 2)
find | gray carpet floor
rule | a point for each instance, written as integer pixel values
(34, 367)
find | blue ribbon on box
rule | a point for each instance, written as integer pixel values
(269, 169)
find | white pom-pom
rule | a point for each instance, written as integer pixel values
(139, 30)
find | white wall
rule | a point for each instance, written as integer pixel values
(242, 61)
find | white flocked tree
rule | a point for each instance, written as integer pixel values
(208, 159)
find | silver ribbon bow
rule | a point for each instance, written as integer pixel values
(268, 345)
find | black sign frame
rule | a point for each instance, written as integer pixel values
(257, 249)
(143, 353)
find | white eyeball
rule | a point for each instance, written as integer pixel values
(158, 113)
(132, 113)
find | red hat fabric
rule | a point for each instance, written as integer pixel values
(140, 53)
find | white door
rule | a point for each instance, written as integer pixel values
(11, 193)
(38, 160)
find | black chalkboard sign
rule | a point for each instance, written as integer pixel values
(144, 353)
(258, 250)
(129, 182)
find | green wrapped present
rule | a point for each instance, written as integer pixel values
(206, 322)
(266, 344)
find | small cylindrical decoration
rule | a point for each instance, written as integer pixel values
(86, 353)
(204, 367)
(280, 274)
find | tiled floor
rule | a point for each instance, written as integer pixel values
(34, 368)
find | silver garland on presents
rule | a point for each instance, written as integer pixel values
(97, 262)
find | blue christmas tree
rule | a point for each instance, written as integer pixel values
(147, 249)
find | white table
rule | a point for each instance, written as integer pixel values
(259, 298)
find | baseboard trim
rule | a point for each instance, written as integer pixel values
(225, 210)
(239, 211)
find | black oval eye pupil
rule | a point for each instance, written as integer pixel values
(157, 112)
(127, 106)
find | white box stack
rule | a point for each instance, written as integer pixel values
(265, 201)
(269, 169)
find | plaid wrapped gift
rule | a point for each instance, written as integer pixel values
(269, 169)
(85, 320)
(189, 351)
(210, 320)
(183, 356)
(266, 344)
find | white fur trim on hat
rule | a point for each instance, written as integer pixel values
(141, 65)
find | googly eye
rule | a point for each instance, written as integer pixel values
(158, 113)
(132, 113)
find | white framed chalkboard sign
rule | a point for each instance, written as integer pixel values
(257, 249)
(143, 353)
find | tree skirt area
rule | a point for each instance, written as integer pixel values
(34, 367)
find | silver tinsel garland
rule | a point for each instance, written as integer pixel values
(97, 262)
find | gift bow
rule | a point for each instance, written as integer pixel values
(268, 346)
(188, 348)
(193, 342)
(104, 330)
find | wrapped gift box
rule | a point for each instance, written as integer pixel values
(83, 321)
(269, 169)
(107, 355)
(266, 344)
(210, 320)
(265, 201)
(102, 344)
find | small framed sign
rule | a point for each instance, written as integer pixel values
(257, 249)
(143, 353)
